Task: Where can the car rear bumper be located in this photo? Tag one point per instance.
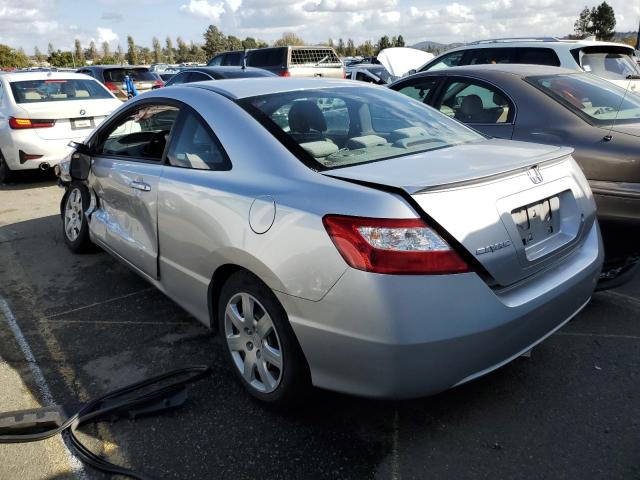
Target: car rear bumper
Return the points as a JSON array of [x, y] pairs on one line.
[[408, 336], [52, 151]]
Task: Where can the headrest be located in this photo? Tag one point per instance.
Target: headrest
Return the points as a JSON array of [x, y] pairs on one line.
[[365, 141], [471, 104], [305, 116]]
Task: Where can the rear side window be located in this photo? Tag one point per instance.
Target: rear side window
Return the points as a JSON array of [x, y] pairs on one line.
[[139, 74], [198, 77], [538, 56], [216, 61], [196, 147], [232, 59], [267, 57], [483, 56], [37, 91], [315, 57]]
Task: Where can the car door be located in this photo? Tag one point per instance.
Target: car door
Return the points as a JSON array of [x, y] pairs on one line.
[[478, 104], [195, 211], [127, 166]]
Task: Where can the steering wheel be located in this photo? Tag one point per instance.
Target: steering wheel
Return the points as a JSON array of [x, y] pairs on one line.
[[156, 144], [603, 110]]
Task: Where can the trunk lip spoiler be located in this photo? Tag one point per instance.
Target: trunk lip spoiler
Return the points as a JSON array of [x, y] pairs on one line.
[[565, 155]]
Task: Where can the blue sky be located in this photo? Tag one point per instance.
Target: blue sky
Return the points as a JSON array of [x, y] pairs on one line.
[[27, 23]]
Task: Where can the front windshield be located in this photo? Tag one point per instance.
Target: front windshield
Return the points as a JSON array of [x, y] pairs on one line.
[[614, 66], [590, 96], [344, 126]]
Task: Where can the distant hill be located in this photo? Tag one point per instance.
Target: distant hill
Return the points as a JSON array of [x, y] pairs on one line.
[[431, 46]]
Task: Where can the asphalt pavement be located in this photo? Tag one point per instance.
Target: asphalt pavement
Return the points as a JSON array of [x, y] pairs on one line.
[[570, 411]]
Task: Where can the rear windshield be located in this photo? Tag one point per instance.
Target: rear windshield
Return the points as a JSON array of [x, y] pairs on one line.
[[609, 62], [136, 74], [267, 57], [314, 57], [343, 126], [35, 91], [591, 96]]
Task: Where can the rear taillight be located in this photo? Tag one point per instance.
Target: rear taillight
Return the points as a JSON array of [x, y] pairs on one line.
[[284, 73], [21, 123], [158, 84], [111, 86], [392, 246]]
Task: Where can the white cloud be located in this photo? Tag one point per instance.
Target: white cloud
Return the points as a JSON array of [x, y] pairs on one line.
[[349, 5], [106, 35], [203, 8]]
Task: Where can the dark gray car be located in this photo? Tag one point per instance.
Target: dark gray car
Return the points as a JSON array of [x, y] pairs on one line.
[[202, 74], [560, 107]]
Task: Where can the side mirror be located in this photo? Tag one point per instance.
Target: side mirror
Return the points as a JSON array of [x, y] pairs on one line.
[[412, 71], [80, 163]]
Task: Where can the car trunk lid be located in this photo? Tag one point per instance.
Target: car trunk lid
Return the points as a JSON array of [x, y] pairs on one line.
[[73, 119], [515, 208]]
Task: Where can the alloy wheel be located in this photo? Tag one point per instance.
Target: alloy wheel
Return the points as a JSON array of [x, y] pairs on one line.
[[73, 215], [253, 341]]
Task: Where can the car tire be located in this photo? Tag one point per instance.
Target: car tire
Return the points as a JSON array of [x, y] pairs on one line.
[[6, 175], [255, 349], [75, 228]]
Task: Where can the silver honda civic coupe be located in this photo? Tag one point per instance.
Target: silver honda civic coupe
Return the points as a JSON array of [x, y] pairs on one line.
[[338, 234]]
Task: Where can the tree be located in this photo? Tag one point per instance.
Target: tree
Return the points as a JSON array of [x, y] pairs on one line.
[[169, 54], [383, 43], [249, 42], [78, 54], [132, 51], [400, 41], [214, 41], [62, 59], [603, 22], [340, 47], [157, 50], [196, 53], [330, 43], [106, 51], [120, 55], [12, 58], [366, 49], [288, 38], [582, 24], [92, 52], [50, 49], [350, 51], [234, 43], [182, 54], [38, 54], [145, 55]]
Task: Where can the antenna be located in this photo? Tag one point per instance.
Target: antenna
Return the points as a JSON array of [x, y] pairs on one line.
[[608, 137]]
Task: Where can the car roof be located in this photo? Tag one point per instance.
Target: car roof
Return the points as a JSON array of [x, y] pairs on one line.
[[522, 70], [110, 67], [223, 69], [250, 87], [541, 43], [17, 76]]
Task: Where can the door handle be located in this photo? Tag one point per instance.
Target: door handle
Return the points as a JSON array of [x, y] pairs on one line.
[[138, 185]]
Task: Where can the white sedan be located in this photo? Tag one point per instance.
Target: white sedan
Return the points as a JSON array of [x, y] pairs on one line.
[[40, 112]]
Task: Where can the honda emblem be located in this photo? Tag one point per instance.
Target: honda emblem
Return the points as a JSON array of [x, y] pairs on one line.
[[82, 112], [535, 175]]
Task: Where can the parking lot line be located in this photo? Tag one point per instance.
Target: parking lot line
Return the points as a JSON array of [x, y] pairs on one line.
[[45, 393], [97, 304], [621, 296], [601, 335]]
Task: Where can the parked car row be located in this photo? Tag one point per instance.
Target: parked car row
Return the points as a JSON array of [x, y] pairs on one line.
[[448, 220]]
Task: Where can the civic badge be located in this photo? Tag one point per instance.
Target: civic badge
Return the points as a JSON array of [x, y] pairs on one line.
[[83, 111], [534, 174]]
